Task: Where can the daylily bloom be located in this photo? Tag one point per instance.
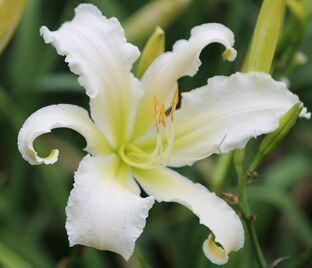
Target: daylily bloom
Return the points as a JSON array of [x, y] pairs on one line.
[[136, 130]]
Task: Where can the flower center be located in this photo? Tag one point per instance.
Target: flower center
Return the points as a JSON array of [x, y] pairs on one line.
[[134, 156]]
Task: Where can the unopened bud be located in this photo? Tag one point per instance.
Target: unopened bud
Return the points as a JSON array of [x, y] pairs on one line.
[[265, 37], [251, 181], [253, 217], [153, 48], [273, 139], [252, 174], [231, 198]]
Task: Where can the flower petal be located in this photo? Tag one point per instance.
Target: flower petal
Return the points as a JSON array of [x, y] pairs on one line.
[[104, 209], [59, 116], [161, 77], [97, 51], [167, 185], [226, 113]]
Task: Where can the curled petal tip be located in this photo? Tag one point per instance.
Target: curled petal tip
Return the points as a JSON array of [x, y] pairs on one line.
[[57, 116], [50, 159], [229, 54], [213, 252]]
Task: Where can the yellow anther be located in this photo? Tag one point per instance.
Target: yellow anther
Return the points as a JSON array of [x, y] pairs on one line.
[[174, 103], [162, 115], [156, 105], [159, 114]]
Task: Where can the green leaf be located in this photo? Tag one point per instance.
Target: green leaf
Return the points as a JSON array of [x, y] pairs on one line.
[[54, 185], [21, 244], [9, 109], [281, 201], [288, 171], [111, 8], [297, 9], [11, 259], [153, 48], [303, 260], [26, 54], [307, 6], [59, 82], [155, 13], [294, 33]]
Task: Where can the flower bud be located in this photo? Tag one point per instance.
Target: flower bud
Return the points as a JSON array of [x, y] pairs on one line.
[[153, 48]]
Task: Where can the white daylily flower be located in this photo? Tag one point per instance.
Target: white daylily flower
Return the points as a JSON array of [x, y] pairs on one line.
[[130, 138]]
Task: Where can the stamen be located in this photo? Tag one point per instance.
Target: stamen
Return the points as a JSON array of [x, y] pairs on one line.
[[170, 139], [174, 103], [165, 135], [156, 105], [162, 115], [159, 114], [156, 113]]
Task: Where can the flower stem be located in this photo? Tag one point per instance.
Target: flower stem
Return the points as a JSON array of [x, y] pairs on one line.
[[220, 171], [239, 157], [255, 242], [259, 58]]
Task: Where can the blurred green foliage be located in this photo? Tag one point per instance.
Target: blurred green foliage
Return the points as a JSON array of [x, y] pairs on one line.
[[32, 199]]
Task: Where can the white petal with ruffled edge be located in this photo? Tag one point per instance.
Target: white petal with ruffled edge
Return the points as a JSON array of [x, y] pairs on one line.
[[161, 76], [226, 113], [59, 116], [96, 49], [169, 186], [103, 210]]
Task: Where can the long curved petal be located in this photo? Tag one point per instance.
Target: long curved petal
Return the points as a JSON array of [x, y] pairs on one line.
[[96, 49], [59, 116], [169, 186], [161, 77], [104, 209], [226, 113]]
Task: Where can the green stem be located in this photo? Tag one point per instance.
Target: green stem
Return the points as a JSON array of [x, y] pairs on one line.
[[259, 58], [239, 156], [254, 164], [220, 171], [255, 242]]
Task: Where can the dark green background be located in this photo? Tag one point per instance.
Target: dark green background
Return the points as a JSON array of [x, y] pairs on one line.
[[33, 198]]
